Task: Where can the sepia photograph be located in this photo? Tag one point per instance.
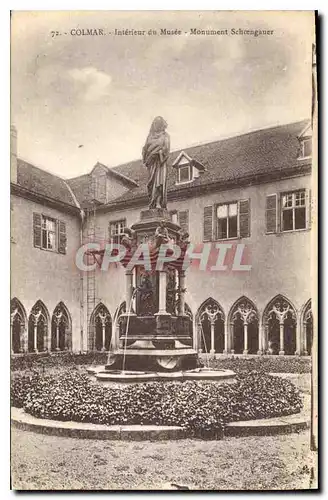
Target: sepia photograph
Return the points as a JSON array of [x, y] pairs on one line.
[[163, 247]]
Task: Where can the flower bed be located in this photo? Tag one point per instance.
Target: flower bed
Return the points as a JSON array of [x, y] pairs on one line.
[[266, 364], [30, 361], [200, 407]]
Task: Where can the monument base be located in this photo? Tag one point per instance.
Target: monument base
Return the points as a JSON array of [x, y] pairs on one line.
[[159, 356]]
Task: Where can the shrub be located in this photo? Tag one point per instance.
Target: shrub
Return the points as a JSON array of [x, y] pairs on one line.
[[20, 387], [31, 361], [199, 406], [266, 364]]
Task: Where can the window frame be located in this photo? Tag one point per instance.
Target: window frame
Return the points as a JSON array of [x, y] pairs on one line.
[[235, 202], [190, 169], [55, 232], [116, 235], [303, 141], [293, 208]]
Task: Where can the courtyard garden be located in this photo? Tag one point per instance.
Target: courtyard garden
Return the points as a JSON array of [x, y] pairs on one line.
[[57, 387]]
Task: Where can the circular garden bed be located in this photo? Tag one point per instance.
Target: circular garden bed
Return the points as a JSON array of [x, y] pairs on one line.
[[203, 408]]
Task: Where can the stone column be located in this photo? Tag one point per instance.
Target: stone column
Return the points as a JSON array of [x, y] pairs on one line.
[[299, 349], [24, 339], [58, 317], [226, 339], [57, 337], [103, 328], [200, 336], [182, 285], [261, 341], [305, 351], [162, 293], [245, 338], [194, 334], [129, 290], [281, 332], [35, 337], [212, 350], [232, 335], [47, 336]]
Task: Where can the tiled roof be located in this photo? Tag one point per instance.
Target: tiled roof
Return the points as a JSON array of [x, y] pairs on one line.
[[246, 156], [254, 154], [43, 183]]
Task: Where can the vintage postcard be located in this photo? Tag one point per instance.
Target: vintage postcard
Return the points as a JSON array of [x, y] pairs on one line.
[[163, 308]]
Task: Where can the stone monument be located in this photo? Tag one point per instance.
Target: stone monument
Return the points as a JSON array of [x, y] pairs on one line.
[[155, 333]]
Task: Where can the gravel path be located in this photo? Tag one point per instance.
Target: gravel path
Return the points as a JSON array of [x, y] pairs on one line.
[[268, 462]]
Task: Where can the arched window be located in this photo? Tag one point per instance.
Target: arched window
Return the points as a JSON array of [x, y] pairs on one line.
[[38, 328], [307, 328], [100, 329], [210, 325], [279, 321], [61, 330], [244, 327], [18, 326]]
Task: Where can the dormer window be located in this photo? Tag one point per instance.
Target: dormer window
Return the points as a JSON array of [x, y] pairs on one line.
[[305, 140], [184, 173], [306, 148], [187, 168]]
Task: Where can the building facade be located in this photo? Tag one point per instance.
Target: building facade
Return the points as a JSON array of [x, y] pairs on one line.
[[250, 193]]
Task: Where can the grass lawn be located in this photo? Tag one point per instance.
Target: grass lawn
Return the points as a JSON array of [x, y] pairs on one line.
[[266, 462]]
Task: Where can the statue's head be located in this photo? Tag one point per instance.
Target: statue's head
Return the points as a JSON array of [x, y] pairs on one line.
[[162, 223], [158, 125]]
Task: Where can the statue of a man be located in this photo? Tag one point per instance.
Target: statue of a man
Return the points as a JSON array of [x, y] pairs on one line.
[[154, 156]]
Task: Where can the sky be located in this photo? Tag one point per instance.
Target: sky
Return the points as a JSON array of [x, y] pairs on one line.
[[76, 100]]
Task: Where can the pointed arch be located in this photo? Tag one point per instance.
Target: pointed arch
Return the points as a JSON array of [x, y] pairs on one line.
[[279, 321], [61, 328], [210, 303], [210, 319], [100, 329], [307, 328], [243, 322], [281, 301], [18, 325], [38, 328]]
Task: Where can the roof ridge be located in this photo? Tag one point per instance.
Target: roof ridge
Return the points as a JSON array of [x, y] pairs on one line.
[[244, 134], [221, 139]]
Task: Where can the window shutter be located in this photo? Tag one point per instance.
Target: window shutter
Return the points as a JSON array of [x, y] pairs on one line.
[[62, 237], [308, 205], [208, 224], [37, 230], [183, 220], [271, 214], [244, 218]]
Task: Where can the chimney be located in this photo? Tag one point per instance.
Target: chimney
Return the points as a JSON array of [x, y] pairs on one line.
[[13, 154]]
